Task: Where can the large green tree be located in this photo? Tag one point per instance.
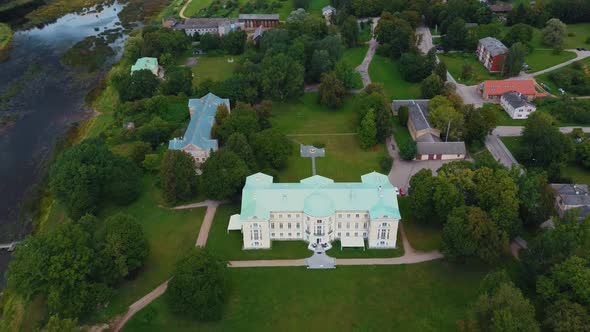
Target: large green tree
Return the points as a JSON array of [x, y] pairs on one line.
[[554, 33], [238, 143], [178, 79], [514, 60], [542, 143], [567, 280], [395, 36], [350, 31], [199, 286], [566, 316], [331, 91], [271, 148], [178, 176], [456, 35], [282, 77], [421, 201], [368, 130], [224, 174], [447, 117], [89, 174], [431, 86], [138, 85]]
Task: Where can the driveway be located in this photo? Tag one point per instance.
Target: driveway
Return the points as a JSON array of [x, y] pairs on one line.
[[500, 152], [512, 131], [426, 43], [363, 68]]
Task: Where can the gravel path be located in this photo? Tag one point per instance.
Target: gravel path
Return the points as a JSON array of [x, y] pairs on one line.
[[140, 304], [363, 68]]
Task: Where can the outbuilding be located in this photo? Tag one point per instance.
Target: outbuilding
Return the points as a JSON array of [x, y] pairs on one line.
[[440, 150]]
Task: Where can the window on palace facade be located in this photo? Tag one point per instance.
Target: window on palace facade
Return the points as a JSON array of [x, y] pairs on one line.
[[339, 234], [364, 234], [364, 225], [382, 234], [356, 234], [297, 215], [280, 226], [273, 234], [280, 216], [298, 225], [356, 225], [348, 215], [255, 234], [289, 234], [339, 225], [307, 218], [289, 225], [347, 234], [319, 221], [298, 234], [384, 224], [357, 215], [339, 215], [366, 215], [272, 225], [281, 235], [382, 243]]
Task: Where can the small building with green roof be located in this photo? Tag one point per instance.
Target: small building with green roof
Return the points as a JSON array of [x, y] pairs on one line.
[[318, 210], [150, 64]]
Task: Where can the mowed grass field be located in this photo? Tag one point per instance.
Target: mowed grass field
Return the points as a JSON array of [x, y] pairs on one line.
[[307, 122], [192, 10], [543, 59], [386, 71], [170, 233], [455, 63], [545, 78], [214, 68], [424, 297], [422, 237]]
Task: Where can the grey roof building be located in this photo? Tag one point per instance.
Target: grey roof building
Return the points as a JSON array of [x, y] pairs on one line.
[[571, 196], [493, 46], [515, 99], [443, 148], [418, 124], [270, 17]]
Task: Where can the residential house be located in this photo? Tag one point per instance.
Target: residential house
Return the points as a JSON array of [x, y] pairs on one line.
[[492, 90], [501, 8], [571, 196], [516, 105], [214, 25], [428, 142], [197, 139], [253, 21], [318, 210], [492, 53], [150, 64]]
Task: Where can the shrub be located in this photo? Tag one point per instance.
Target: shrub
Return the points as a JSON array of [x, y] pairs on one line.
[[407, 150], [386, 163]]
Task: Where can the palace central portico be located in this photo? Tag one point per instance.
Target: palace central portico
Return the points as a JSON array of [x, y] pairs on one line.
[[318, 210]]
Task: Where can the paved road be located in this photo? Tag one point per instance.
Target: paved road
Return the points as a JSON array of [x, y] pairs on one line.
[[363, 68], [426, 43], [579, 56], [140, 304], [503, 131], [499, 151], [206, 225]]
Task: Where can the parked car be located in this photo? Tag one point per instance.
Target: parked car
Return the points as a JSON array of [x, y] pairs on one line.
[[581, 49], [402, 192], [562, 91]]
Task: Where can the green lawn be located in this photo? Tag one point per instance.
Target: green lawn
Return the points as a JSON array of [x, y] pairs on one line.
[[430, 296], [455, 63], [400, 134], [306, 122], [502, 118], [214, 68], [543, 59], [580, 32], [195, 6], [386, 71], [512, 144], [544, 78], [169, 232], [315, 6], [421, 237], [354, 57]]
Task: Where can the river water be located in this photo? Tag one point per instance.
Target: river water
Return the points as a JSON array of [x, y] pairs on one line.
[[50, 98]]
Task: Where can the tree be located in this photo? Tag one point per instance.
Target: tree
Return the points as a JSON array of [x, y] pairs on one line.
[[224, 174], [141, 84], [123, 247], [282, 77], [568, 280], [238, 144], [395, 36], [514, 60], [431, 86], [152, 162], [415, 67], [331, 91], [542, 143], [272, 148], [368, 130], [456, 35], [297, 15], [137, 152], [421, 201], [345, 74], [566, 316], [88, 174], [320, 63], [58, 265], [350, 31], [583, 153], [518, 33], [178, 176], [446, 117], [505, 309], [55, 324], [478, 123], [446, 196], [234, 42], [467, 71], [407, 150], [373, 98], [536, 197], [199, 287], [221, 113], [243, 119], [402, 115], [469, 233], [554, 33], [178, 79]]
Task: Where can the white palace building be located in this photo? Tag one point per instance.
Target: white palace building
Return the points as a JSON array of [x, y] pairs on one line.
[[318, 210]]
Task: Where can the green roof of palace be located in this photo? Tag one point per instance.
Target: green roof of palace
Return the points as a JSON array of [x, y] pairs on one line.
[[145, 63], [319, 196]]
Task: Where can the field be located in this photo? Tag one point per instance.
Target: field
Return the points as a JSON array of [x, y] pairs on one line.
[[455, 63], [306, 122], [543, 59], [430, 296], [544, 78], [169, 232], [581, 32], [421, 237], [386, 71], [195, 6], [214, 68]]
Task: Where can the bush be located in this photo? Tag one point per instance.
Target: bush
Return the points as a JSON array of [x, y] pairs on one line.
[[402, 115], [408, 150], [386, 163]]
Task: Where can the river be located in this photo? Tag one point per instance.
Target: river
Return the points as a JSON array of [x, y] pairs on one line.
[[50, 98]]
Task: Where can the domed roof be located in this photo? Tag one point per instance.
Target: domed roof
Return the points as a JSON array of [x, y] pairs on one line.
[[318, 205]]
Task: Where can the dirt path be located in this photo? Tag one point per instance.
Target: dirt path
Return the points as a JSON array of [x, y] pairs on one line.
[[181, 13], [206, 225], [363, 68], [140, 304]]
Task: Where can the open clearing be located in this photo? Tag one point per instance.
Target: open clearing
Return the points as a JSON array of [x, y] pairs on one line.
[[213, 68], [386, 71]]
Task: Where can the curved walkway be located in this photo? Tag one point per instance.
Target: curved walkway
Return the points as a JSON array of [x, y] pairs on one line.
[[138, 305], [363, 68], [579, 56], [207, 221], [181, 13]]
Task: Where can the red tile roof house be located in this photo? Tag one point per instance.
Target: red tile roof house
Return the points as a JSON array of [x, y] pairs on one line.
[[492, 90], [492, 53]]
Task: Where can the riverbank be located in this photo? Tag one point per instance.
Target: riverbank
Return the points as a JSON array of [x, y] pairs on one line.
[[6, 35]]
